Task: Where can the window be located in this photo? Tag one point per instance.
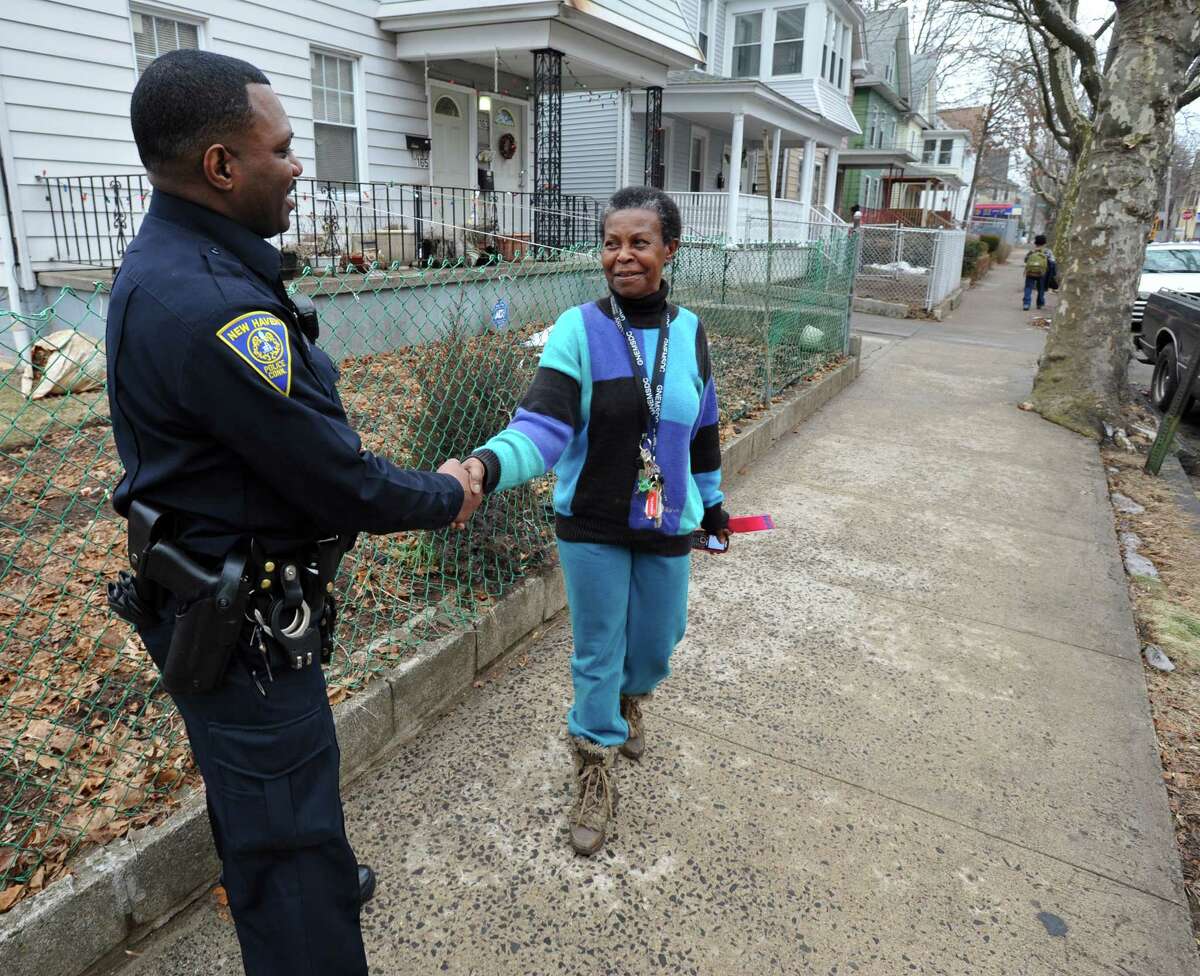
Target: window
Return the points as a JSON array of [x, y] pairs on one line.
[[333, 117], [788, 57], [503, 117], [833, 60], [945, 152], [747, 45], [696, 166], [890, 67], [930, 151], [844, 56], [448, 107], [154, 35], [705, 17]]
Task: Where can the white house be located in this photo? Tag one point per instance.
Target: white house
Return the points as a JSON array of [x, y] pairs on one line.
[[387, 98], [776, 73]]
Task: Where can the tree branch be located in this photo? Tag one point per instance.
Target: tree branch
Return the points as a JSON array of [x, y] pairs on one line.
[[1066, 104], [1066, 31], [1105, 26], [1048, 113], [1191, 89]]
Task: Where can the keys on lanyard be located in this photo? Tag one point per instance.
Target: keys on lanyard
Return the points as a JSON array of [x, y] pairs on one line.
[[650, 477], [650, 483]]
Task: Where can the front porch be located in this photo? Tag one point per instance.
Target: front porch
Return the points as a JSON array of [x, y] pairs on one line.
[[495, 79], [784, 153]]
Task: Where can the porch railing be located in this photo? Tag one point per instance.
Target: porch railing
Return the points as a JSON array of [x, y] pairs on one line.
[[909, 217], [339, 224], [706, 217]]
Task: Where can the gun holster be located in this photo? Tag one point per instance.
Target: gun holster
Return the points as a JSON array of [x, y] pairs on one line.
[[209, 606]]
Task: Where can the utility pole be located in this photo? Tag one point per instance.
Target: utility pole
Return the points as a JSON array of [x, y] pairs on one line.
[[1168, 224]]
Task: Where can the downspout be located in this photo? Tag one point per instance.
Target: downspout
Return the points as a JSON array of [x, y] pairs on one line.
[[10, 257]]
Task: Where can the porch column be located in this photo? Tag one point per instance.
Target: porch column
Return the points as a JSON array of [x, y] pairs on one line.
[[773, 182], [655, 171], [547, 147], [807, 171], [831, 165], [735, 179]]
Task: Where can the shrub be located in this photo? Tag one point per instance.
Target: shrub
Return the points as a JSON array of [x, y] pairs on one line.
[[973, 250], [991, 240], [1003, 251]]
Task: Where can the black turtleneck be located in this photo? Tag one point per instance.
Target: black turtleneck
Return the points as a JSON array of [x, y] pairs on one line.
[[646, 312]]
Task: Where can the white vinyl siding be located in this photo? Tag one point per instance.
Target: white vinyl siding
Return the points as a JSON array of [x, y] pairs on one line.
[[69, 67], [590, 140]]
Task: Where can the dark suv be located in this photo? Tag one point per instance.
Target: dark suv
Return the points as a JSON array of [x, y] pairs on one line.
[[1170, 337]]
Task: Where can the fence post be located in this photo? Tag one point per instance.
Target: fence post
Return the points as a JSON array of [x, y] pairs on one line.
[[931, 285], [853, 260]]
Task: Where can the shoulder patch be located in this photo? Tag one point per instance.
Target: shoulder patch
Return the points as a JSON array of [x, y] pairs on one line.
[[261, 339]]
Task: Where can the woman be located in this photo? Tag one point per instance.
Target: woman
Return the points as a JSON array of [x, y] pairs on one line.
[[624, 409]]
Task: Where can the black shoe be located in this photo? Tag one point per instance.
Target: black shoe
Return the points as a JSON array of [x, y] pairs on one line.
[[366, 884]]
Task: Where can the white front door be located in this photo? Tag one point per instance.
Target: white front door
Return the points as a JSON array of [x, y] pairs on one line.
[[508, 133], [451, 163]]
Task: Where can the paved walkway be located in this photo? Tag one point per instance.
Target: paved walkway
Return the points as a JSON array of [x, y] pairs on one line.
[[908, 730]]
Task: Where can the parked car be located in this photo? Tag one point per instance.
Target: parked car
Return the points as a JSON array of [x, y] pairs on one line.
[[1171, 329], [1174, 266]]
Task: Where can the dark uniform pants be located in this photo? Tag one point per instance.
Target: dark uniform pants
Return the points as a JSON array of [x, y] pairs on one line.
[[270, 766]]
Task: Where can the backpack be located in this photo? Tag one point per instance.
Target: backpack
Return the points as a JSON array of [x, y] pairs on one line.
[[1036, 264]]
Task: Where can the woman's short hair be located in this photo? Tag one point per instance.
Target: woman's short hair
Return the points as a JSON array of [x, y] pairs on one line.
[[647, 198]]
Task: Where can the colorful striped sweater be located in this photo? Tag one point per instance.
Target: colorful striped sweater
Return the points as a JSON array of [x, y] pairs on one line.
[[583, 418]]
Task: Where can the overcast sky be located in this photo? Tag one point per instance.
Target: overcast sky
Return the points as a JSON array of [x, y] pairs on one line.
[[1092, 13]]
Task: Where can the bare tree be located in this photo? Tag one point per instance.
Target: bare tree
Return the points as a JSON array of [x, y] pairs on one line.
[[1113, 113]]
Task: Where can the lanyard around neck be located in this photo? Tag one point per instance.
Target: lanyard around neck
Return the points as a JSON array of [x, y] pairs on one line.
[[652, 386]]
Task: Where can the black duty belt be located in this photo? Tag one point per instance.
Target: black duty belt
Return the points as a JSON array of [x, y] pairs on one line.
[[282, 601]]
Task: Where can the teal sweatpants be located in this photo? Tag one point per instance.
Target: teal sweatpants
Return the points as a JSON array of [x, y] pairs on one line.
[[628, 611]]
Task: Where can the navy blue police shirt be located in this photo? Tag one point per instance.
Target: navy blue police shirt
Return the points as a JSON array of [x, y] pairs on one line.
[[225, 413]]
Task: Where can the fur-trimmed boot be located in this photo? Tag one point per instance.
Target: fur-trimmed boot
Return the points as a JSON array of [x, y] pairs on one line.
[[631, 711], [596, 800]]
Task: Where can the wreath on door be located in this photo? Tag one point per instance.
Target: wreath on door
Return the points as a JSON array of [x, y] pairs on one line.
[[508, 145]]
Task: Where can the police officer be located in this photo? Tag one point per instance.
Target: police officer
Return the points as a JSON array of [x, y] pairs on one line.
[[244, 484]]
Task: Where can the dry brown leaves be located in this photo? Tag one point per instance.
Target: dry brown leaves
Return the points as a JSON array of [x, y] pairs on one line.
[[1168, 614]]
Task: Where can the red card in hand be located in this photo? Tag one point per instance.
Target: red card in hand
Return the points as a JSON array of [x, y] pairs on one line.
[[751, 523]]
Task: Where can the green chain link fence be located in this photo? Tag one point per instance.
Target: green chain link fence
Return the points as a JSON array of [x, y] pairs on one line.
[[432, 362]]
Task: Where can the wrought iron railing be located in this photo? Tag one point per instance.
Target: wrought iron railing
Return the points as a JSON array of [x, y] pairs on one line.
[[340, 224]]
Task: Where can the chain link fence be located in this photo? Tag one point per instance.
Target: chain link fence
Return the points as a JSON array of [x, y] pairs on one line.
[[432, 363], [909, 265]]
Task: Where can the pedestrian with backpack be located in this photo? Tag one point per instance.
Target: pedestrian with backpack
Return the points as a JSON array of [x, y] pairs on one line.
[[1037, 266]]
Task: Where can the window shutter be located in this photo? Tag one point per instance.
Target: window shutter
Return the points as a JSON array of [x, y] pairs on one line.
[[336, 155]]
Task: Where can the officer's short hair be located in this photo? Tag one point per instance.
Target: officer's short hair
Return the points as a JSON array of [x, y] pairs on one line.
[[647, 198], [187, 100]]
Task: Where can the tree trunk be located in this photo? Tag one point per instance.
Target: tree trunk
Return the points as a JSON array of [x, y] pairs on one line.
[[1082, 372], [1061, 241]]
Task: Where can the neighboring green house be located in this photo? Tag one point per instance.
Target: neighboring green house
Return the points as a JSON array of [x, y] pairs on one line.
[[882, 80]]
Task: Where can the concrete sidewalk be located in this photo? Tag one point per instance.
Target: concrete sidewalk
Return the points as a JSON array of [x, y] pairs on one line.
[[907, 732]]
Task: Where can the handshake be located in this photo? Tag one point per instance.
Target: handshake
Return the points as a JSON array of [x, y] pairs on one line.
[[471, 474]]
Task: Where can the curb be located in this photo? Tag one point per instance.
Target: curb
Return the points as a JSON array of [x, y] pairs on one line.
[[877, 306], [1172, 471], [947, 305], [121, 893]]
